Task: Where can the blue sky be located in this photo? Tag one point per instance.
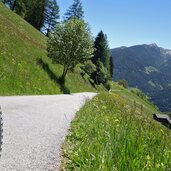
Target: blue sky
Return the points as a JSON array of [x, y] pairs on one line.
[[128, 22]]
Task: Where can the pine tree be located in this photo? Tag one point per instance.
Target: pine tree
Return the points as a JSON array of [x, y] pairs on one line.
[[8, 3], [21, 8], [3, 1], [35, 13], [39, 13], [75, 10], [102, 51], [51, 16], [14, 5], [111, 67]]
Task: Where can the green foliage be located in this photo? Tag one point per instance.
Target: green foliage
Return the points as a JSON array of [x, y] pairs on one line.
[[51, 16], [108, 85], [9, 3], [70, 43], [20, 72], [150, 69], [42, 14], [101, 74], [139, 93], [123, 83], [35, 12], [119, 136], [102, 51], [111, 67], [101, 59], [75, 11], [89, 68]]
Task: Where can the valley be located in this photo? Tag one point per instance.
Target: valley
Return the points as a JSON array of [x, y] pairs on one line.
[[147, 67]]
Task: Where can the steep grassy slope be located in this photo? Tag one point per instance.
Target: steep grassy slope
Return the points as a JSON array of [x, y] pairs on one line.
[[24, 67], [116, 132]]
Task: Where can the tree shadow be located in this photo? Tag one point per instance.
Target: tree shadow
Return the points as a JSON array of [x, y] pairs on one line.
[[89, 80], [53, 76]]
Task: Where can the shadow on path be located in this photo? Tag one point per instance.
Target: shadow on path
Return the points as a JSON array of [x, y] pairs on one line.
[[53, 76]]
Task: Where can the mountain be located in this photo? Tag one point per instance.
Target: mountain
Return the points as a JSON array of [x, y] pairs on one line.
[[24, 66], [147, 67]]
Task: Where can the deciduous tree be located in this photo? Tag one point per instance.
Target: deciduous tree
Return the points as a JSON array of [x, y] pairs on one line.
[[70, 43]]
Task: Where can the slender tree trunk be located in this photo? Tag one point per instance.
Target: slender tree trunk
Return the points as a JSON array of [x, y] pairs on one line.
[[14, 5], [65, 70], [4, 1]]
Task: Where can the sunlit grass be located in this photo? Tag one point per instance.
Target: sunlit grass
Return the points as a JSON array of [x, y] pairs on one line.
[[109, 133], [21, 46]]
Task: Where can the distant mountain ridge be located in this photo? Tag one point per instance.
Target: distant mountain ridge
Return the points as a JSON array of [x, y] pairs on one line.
[[147, 67]]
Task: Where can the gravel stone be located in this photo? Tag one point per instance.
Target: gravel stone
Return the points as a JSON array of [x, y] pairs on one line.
[[34, 129]]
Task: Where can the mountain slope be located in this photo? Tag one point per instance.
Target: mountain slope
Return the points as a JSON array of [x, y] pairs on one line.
[[146, 67], [24, 66]]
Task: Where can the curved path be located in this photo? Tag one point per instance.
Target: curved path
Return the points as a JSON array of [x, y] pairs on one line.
[[34, 128]]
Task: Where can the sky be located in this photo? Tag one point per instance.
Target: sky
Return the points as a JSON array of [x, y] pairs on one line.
[[128, 22]]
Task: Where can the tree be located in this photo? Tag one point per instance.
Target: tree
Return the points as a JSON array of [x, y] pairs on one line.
[[101, 74], [35, 12], [51, 16], [111, 67], [3, 1], [21, 8], [8, 3], [14, 5], [75, 10], [39, 13], [88, 68], [69, 44], [123, 83], [102, 51]]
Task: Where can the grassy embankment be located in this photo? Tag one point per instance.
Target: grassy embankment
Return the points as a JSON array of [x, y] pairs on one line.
[[24, 66], [116, 132]]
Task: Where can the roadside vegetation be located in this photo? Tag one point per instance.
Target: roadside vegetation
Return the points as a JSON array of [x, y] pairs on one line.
[[113, 132], [24, 66]]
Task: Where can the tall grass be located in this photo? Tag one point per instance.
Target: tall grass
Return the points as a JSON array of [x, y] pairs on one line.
[[111, 134]]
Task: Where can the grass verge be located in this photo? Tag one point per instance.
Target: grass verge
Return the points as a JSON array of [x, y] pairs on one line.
[[112, 133]]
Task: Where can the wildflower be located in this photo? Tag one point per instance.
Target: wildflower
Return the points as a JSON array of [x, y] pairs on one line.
[[162, 131], [148, 157], [104, 107], [116, 120], [157, 165]]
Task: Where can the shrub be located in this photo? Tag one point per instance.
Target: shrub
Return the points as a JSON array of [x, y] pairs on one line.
[[89, 67], [123, 83], [108, 85]]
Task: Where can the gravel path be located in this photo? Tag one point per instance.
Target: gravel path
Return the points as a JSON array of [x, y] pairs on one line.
[[34, 128]]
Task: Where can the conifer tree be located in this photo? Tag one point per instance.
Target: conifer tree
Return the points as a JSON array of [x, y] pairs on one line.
[[8, 3], [39, 13], [102, 51], [75, 10], [3, 1], [35, 14], [51, 16], [14, 5], [111, 67]]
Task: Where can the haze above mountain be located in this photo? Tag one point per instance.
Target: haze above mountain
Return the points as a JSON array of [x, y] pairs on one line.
[[147, 67]]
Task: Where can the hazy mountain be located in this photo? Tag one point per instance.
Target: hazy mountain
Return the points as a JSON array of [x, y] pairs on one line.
[[147, 67]]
